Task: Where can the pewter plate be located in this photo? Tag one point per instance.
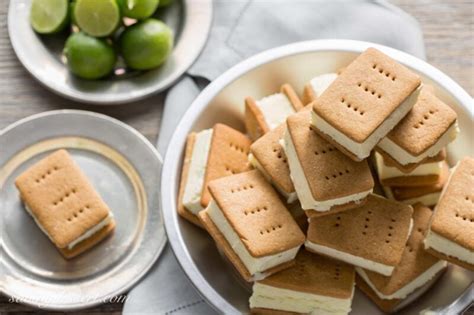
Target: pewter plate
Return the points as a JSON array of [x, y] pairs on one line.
[[42, 56], [263, 74], [123, 167]]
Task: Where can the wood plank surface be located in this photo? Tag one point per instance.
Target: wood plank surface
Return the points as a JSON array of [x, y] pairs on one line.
[[448, 28]]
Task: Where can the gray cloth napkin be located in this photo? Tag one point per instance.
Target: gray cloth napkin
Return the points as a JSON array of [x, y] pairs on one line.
[[242, 28]]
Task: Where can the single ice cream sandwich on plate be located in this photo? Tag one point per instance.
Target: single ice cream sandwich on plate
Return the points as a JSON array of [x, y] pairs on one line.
[[427, 195], [364, 103], [422, 133], [267, 155], [251, 225], [314, 285], [271, 111], [317, 86], [372, 236], [416, 271], [426, 173], [325, 179], [210, 154], [451, 233], [64, 205]]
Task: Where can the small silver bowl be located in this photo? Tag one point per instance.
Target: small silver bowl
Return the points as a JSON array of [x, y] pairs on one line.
[[223, 101]]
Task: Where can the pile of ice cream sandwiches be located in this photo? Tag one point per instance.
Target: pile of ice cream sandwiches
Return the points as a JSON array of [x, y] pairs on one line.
[[291, 204]]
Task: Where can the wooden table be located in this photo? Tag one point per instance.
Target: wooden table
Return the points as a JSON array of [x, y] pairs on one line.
[[448, 28]]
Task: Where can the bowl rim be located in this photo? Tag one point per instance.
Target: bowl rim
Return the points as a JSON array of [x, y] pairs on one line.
[[173, 157]]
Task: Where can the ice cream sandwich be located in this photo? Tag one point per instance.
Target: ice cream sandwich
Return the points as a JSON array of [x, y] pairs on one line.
[[64, 204], [428, 195], [423, 175], [451, 233], [267, 155], [271, 111], [389, 161], [416, 269], [315, 285], [325, 179], [251, 224], [364, 103], [317, 86], [423, 132], [372, 236], [210, 154]]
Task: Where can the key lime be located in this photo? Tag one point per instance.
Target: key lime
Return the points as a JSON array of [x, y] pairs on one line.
[[89, 57], [49, 16], [97, 18], [146, 45], [165, 3], [138, 9]]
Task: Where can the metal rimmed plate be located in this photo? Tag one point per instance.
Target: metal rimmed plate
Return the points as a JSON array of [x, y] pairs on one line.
[[123, 167], [41, 55]]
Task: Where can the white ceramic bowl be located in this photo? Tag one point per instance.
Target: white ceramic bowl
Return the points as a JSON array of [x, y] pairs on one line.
[[222, 101]]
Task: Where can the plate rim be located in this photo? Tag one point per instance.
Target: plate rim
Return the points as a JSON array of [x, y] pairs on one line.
[[172, 157], [158, 250], [195, 12]]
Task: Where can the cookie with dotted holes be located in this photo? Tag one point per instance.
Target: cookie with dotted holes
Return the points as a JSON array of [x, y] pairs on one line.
[[269, 157], [315, 274], [256, 213], [63, 202], [376, 232], [453, 217], [255, 119], [364, 96], [415, 262], [330, 174], [227, 155], [428, 120]]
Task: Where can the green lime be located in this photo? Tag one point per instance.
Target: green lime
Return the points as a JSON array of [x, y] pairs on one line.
[[146, 45], [49, 16], [165, 3], [97, 18], [138, 9], [89, 57]]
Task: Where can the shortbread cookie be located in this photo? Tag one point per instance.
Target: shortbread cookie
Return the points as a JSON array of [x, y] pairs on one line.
[[423, 132], [372, 236], [267, 155], [416, 268], [259, 234], [365, 102], [317, 86], [271, 111], [210, 154], [389, 161], [427, 195], [64, 204], [425, 174], [324, 178], [451, 233], [315, 285]]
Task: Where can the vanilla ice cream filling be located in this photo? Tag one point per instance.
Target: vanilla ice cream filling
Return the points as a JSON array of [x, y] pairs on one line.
[[410, 287], [320, 83], [88, 234], [269, 297], [197, 171], [362, 150], [254, 265], [430, 199], [448, 247], [275, 109], [290, 196], [308, 202], [424, 169], [404, 157], [383, 269]]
